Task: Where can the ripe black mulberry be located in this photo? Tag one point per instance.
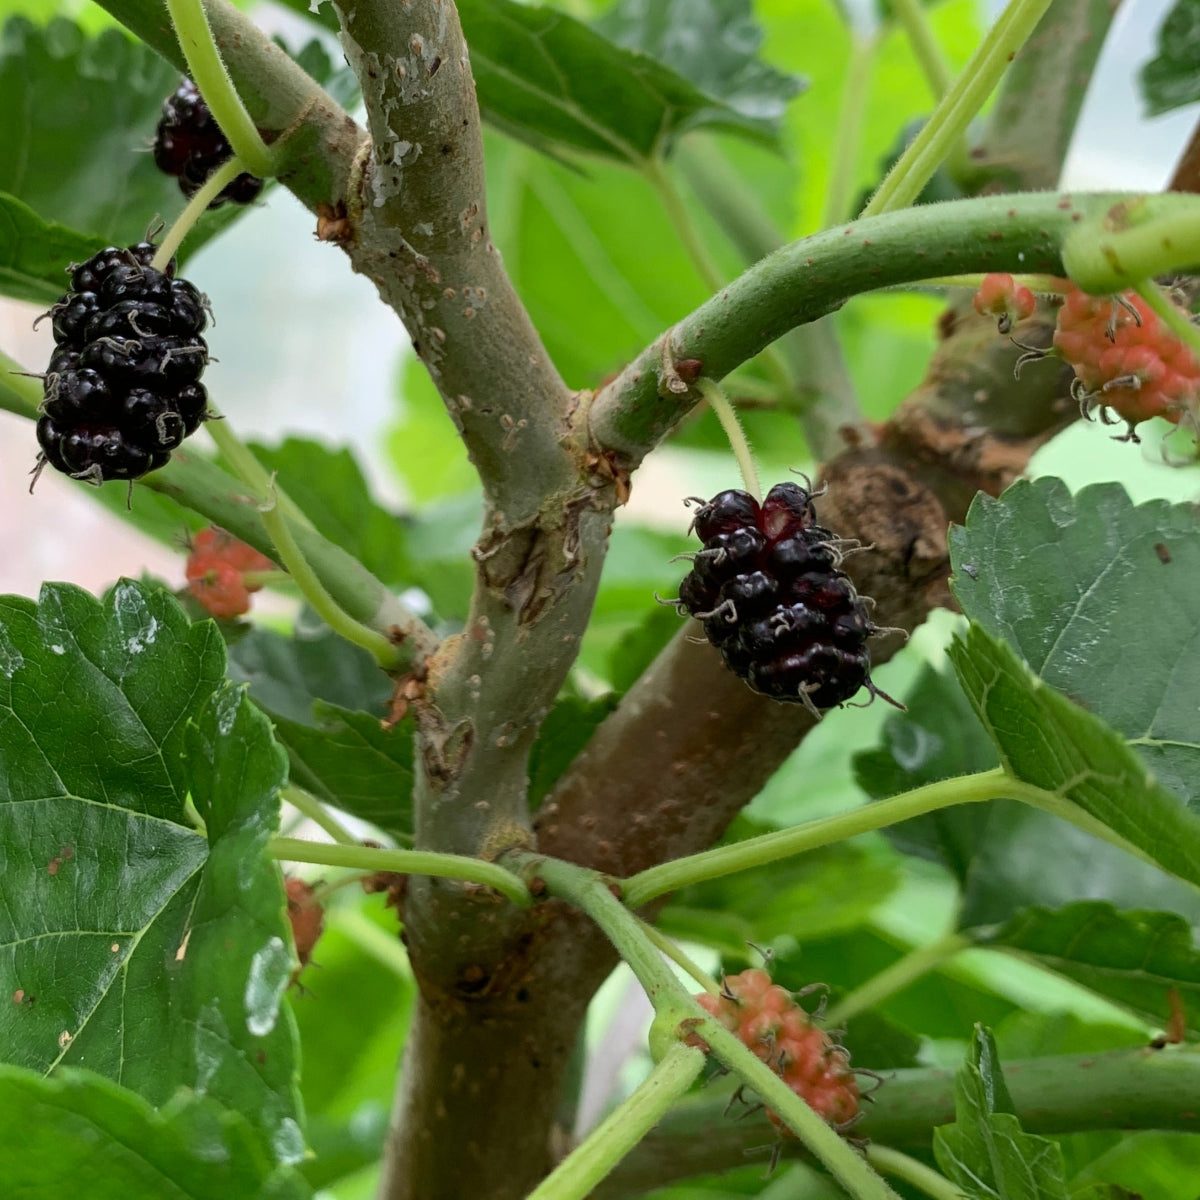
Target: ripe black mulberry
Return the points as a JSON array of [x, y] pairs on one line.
[[769, 589], [122, 389], [189, 144]]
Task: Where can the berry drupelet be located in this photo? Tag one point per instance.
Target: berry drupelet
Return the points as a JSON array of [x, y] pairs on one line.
[[190, 145], [768, 587], [122, 389]]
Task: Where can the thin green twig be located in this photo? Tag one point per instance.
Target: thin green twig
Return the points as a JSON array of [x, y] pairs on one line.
[[672, 950], [20, 392], [210, 76], [1172, 316], [315, 811], [197, 206], [912, 1171], [590, 1161], [958, 108], [719, 403], [847, 138], [404, 862]]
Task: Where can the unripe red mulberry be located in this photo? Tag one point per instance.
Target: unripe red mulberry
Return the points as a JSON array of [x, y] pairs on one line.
[[767, 1019]]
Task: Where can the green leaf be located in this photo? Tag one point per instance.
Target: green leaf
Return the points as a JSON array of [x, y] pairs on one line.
[[34, 253], [714, 44], [549, 80], [1084, 586], [133, 947], [986, 1152], [1006, 856], [287, 674], [1172, 78], [1152, 1163], [564, 733], [815, 895], [75, 175], [329, 487], [78, 1126], [1133, 958], [1047, 741], [353, 763]]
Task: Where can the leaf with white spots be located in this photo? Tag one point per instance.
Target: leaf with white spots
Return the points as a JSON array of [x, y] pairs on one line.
[[130, 943]]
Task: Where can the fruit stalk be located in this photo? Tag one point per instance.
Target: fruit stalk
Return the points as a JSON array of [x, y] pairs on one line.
[[958, 108], [207, 69], [194, 210], [404, 862], [576, 1176]]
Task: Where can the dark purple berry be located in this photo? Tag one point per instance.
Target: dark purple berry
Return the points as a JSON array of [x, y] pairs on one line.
[[774, 601], [189, 145], [724, 513], [122, 388]]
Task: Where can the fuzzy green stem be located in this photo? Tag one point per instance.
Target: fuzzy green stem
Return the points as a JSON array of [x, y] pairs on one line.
[[209, 74], [838, 1157], [1137, 237], [197, 206], [314, 810], [847, 140], [248, 469], [590, 891], [897, 977], [758, 851], [671, 949], [404, 862], [20, 393], [385, 651], [719, 403], [590, 1161], [265, 578], [958, 108], [1174, 319], [891, 1162]]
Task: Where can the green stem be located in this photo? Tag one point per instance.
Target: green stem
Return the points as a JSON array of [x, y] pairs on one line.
[[209, 74], [758, 851], [197, 206], [590, 1161], [719, 403], [671, 949], [1174, 319], [265, 578], [913, 1171], [897, 977], [958, 108], [20, 393], [404, 862], [847, 140], [838, 1157], [249, 470], [1136, 238], [590, 891], [314, 810], [386, 652]]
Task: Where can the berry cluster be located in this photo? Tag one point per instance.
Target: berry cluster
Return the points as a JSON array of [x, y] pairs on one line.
[[1000, 297], [1126, 359], [122, 389], [216, 572], [768, 1021], [768, 588], [190, 145]]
